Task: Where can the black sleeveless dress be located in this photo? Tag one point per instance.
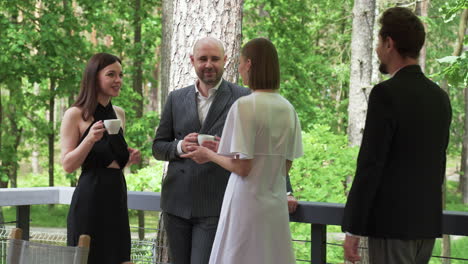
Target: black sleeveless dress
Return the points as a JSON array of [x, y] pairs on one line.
[[99, 204]]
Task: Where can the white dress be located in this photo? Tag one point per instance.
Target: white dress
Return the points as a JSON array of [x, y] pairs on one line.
[[254, 223]]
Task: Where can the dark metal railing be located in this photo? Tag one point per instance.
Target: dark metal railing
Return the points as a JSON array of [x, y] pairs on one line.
[[318, 215]]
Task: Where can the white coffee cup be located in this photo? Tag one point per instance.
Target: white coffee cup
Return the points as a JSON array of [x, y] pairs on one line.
[[112, 126], [203, 137]]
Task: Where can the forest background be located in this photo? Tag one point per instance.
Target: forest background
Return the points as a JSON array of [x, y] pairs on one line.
[[44, 46]]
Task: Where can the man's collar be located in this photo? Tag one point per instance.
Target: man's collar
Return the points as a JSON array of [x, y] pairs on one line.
[[211, 90], [409, 68]]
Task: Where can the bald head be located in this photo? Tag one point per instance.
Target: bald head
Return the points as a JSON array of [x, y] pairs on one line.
[[208, 41]]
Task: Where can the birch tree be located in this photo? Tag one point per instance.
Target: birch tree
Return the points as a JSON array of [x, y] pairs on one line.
[[360, 78], [422, 8], [361, 68], [458, 49]]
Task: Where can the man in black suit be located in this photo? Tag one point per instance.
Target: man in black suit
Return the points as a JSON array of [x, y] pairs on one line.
[[192, 194], [396, 196]]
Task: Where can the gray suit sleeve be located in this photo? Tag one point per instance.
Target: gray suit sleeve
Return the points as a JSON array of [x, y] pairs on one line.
[[164, 143]]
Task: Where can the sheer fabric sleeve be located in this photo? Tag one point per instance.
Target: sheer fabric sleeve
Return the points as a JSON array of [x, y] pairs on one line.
[[239, 131], [295, 146]]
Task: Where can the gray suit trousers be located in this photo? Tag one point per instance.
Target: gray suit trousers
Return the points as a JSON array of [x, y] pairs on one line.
[[190, 240], [395, 251]]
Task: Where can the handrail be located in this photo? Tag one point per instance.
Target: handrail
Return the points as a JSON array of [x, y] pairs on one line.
[[454, 222], [318, 214]]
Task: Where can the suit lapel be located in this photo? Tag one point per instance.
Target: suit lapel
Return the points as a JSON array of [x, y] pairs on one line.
[[191, 109], [223, 96]]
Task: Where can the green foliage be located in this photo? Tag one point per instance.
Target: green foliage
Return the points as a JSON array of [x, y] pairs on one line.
[[147, 179], [47, 44], [459, 248], [42, 180], [313, 51], [455, 72], [450, 9], [453, 198], [41, 215], [443, 68], [321, 174]]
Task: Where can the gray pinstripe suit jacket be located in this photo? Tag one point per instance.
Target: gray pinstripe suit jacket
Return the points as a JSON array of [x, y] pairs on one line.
[[190, 189]]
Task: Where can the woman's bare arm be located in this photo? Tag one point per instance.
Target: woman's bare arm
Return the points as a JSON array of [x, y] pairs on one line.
[[72, 153]]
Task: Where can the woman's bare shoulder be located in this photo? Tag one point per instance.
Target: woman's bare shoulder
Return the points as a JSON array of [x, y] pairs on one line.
[[118, 109], [73, 112]]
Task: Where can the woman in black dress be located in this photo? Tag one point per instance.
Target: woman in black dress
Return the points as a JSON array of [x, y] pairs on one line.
[[99, 203]]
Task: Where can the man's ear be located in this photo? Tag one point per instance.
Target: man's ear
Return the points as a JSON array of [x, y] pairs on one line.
[[192, 60], [389, 43]]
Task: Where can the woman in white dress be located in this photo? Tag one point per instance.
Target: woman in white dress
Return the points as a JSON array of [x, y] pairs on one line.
[[261, 137]]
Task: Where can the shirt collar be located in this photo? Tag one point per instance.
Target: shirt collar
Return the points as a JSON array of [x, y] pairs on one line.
[[210, 91]]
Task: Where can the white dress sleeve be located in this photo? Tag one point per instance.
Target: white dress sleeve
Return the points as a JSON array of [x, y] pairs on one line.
[[295, 146], [238, 136]]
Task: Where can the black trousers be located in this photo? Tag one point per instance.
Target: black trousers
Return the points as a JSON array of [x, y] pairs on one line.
[[395, 251], [190, 240]]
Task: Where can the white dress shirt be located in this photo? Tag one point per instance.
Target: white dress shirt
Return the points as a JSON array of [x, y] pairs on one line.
[[203, 106]]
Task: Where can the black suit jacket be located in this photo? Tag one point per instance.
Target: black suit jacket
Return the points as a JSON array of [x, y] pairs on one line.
[[190, 189], [397, 188]]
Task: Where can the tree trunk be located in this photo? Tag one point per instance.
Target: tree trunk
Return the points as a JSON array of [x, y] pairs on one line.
[[1, 128], [2, 219], [11, 159], [162, 244], [167, 10], [422, 8], [138, 78], [138, 88], [183, 23], [360, 78], [51, 136], [464, 162], [376, 77], [153, 93], [12, 164], [445, 245], [463, 183], [361, 68], [446, 249], [3, 182]]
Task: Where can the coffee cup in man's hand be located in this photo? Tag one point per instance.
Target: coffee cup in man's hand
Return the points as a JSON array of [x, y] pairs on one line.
[[112, 126], [203, 137]]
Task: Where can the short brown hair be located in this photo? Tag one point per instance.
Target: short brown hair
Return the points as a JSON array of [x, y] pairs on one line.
[[405, 29], [264, 70], [87, 98]]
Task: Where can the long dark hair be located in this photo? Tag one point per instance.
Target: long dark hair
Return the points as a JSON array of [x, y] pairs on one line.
[[87, 99], [264, 70]]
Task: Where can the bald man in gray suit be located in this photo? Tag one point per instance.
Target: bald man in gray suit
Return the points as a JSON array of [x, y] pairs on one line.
[[192, 194]]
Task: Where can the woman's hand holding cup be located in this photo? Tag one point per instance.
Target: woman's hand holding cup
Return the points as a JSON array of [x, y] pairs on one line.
[[96, 132], [212, 144]]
